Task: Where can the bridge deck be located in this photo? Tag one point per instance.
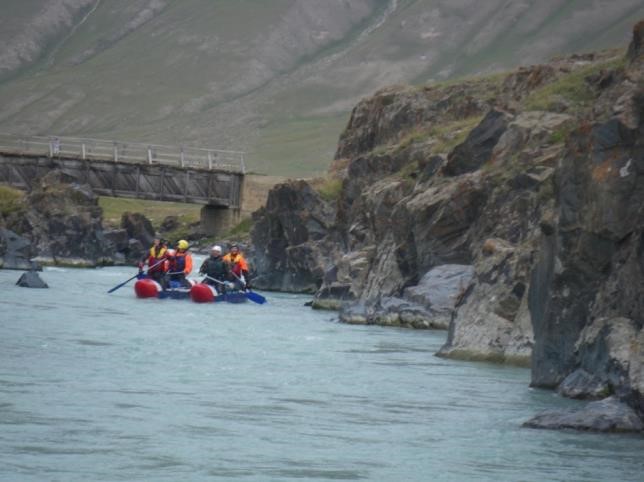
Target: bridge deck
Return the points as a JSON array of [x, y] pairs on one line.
[[130, 179]]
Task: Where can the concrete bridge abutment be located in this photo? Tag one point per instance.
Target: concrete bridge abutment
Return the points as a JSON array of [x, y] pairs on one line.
[[216, 220]]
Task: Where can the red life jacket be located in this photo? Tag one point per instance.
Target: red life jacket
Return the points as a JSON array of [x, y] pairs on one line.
[[155, 256]]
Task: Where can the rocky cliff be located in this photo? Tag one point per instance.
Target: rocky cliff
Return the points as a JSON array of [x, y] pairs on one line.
[[530, 182], [60, 223]]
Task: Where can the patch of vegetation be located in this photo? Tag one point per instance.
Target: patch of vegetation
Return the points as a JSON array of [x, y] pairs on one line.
[[560, 135], [414, 136], [452, 134], [572, 88], [409, 171], [155, 211], [329, 188], [241, 230], [10, 201]]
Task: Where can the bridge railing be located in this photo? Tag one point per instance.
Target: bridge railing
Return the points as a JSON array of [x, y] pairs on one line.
[[98, 149]]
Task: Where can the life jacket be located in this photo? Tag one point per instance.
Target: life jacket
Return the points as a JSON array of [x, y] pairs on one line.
[[154, 258], [182, 262], [237, 263]]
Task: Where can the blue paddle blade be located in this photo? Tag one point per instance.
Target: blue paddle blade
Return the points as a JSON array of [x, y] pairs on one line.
[[255, 297]]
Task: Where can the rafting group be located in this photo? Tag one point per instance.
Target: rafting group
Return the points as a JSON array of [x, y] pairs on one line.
[[224, 277]]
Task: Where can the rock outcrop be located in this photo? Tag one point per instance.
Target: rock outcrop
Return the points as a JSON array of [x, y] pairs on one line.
[[30, 279], [534, 180], [16, 252], [608, 415], [60, 223], [286, 236]]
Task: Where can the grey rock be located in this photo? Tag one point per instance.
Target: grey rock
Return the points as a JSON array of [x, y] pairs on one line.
[[355, 314], [581, 384], [477, 149], [16, 251], [138, 227], [289, 253], [608, 415], [30, 279], [439, 289]]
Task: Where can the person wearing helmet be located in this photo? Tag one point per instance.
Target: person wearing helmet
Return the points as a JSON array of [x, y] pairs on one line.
[[215, 269], [238, 266], [181, 264]]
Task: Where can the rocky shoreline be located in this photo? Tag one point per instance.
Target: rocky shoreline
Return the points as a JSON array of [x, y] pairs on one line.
[[532, 181]]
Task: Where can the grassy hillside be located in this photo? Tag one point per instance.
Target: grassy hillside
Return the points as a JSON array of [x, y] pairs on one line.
[[277, 79]]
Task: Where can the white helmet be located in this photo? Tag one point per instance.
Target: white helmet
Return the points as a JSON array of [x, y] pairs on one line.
[[216, 247]]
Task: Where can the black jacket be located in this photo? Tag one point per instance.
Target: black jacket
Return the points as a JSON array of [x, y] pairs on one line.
[[215, 267]]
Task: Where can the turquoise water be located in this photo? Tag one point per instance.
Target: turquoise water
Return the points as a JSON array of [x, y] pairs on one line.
[[98, 387]]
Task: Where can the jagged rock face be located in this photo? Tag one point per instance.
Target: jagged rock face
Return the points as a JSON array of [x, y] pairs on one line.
[[139, 233], [477, 148], [385, 117], [586, 291], [286, 255], [595, 256], [64, 222]]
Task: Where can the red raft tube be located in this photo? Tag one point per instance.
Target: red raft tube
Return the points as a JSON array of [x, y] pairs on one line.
[[147, 288], [203, 293]]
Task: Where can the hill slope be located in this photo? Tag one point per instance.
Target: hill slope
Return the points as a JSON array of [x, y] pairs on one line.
[[275, 78]]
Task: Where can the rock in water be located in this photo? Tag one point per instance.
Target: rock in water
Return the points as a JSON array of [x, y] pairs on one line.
[[608, 415], [30, 279]]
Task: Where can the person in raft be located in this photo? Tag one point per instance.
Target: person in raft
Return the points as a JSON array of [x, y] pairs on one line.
[[156, 259], [180, 265], [216, 270], [238, 267]]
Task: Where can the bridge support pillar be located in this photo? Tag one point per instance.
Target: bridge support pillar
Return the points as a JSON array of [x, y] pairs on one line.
[[215, 220]]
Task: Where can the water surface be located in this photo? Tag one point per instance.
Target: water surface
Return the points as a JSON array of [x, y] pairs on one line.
[[98, 387]]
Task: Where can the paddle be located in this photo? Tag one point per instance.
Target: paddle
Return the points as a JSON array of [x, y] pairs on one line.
[[135, 276], [251, 295], [254, 297]]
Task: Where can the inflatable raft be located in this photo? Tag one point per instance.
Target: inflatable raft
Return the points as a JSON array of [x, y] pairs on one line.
[[198, 292]]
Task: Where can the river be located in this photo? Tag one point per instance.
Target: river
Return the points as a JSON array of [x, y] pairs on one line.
[[105, 387]]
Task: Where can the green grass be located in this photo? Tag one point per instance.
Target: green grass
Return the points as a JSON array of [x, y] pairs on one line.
[[572, 88], [241, 230], [451, 134], [10, 201], [155, 211], [297, 147], [330, 188]]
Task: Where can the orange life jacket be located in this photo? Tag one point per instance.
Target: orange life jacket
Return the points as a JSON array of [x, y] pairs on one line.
[[237, 263]]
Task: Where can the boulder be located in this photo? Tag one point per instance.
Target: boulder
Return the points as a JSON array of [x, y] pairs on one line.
[[608, 415], [581, 384], [355, 314], [491, 320], [169, 223], [439, 290], [15, 251], [30, 279], [138, 227]]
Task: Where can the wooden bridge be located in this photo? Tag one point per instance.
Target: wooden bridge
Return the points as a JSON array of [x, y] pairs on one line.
[[211, 177]]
